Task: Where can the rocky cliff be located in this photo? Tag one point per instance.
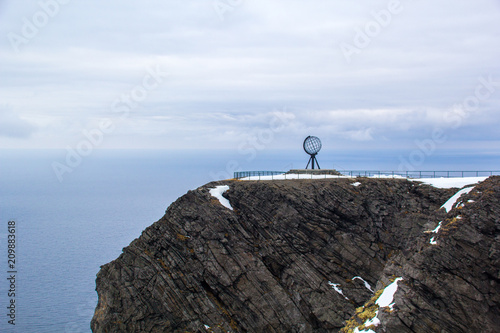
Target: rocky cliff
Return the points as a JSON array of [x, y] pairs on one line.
[[333, 255]]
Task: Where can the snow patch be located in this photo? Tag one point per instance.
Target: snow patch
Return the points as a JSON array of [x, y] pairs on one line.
[[217, 193], [336, 286], [436, 230], [450, 182], [436, 182], [387, 297], [286, 176], [356, 184], [374, 321], [448, 205], [367, 285], [371, 322]]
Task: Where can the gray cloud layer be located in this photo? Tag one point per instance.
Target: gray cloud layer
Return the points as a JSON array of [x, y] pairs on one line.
[[380, 73]]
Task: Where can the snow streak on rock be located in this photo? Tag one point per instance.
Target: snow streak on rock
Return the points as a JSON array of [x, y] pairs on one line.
[[448, 205], [337, 288], [367, 285], [217, 193]]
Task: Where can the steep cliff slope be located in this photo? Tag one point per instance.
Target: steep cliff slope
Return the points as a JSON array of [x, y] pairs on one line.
[[350, 255]]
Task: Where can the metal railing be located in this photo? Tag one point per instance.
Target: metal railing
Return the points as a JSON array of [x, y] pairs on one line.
[[418, 174], [374, 173], [243, 174]]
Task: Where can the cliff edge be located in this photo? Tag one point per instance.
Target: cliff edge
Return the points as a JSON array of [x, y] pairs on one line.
[[332, 255]]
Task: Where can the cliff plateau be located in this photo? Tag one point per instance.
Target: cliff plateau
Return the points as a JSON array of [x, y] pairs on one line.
[[331, 255]]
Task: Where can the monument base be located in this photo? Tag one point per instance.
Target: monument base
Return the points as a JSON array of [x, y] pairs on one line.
[[315, 172]]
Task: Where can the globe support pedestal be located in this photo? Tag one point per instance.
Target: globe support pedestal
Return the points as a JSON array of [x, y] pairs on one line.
[[313, 159]]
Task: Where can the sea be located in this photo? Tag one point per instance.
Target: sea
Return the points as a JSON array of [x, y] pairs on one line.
[[66, 224]]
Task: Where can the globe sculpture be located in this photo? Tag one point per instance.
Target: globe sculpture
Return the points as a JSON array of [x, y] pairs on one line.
[[312, 145]]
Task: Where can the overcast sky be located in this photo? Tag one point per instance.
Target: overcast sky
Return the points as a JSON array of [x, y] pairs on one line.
[[215, 74]]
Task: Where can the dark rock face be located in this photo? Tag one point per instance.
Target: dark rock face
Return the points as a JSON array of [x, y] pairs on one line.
[[454, 286], [297, 255]]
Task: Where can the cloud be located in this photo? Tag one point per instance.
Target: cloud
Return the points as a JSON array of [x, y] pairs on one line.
[[360, 135], [227, 76], [13, 126]]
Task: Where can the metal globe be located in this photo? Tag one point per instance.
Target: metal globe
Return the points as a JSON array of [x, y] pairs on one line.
[[312, 145]]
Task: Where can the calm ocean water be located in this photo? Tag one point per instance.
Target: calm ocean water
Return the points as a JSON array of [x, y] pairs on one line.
[[66, 230]]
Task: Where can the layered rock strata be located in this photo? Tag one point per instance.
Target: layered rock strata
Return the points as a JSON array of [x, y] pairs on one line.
[[311, 256]]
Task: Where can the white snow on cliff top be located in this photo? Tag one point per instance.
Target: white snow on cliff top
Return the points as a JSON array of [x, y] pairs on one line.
[[287, 176], [217, 193], [436, 182], [450, 182]]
